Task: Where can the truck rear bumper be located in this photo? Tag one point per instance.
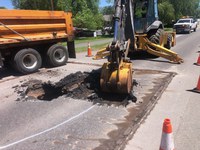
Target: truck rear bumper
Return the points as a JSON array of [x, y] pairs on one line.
[[71, 49]]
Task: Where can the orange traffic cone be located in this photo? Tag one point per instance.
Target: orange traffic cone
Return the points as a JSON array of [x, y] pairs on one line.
[[197, 89], [167, 141], [198, 61], [89, 52]]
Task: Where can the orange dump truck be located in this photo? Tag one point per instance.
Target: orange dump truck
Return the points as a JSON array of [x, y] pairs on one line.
[[29, 38]]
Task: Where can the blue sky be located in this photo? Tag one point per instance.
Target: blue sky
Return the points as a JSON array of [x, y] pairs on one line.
[[104, 3], [8, 4]]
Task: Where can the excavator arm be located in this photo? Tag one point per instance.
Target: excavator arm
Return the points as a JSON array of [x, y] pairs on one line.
[[150, 47], [116, 74]]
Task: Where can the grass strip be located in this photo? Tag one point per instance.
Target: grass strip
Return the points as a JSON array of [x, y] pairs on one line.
[[87, 39], [94, 48], [168, 29]]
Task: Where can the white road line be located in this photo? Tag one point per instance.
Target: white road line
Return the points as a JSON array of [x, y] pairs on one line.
[[47, 130]]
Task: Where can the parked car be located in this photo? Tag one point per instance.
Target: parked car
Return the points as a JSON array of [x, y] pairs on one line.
[[83, 32], [107, 30], [185, 25]]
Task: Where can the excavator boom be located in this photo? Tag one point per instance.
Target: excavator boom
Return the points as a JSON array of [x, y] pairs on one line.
[[116, 74]]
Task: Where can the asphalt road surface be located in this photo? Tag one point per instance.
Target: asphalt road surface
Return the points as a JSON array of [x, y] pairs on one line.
[[80, 124]]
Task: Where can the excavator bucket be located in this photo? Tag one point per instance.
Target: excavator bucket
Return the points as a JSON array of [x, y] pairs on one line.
[[116, 80]]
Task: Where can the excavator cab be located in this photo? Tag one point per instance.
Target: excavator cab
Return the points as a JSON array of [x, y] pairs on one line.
[[140, 15], [145, 13]]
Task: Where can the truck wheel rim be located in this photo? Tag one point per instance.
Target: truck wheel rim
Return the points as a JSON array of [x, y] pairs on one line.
[[59, 55], [29, 61]]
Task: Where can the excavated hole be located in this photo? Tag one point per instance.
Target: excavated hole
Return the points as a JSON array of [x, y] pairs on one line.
[[79, 85]]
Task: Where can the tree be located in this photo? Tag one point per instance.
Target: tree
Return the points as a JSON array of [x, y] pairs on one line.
[[197, 15], [35, 4], [86, 19], [184, 7], [1, 7], [107, 10], [166, 12], [86, 14]]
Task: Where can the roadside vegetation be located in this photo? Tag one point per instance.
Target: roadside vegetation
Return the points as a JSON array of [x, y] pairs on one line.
[[93, 47], [172, 10], [89, 39], [79, 40], [88, 14]]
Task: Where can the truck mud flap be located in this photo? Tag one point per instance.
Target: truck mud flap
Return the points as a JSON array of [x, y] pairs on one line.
[[71, 49], [1, 60]]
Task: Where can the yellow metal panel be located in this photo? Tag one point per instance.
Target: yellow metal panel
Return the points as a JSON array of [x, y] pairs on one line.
[[35, 27], [31, 14]]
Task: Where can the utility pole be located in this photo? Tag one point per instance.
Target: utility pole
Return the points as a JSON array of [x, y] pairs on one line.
[[52, 6]]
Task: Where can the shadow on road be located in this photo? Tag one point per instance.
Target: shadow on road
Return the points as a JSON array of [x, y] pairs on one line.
[[140, 55], [143, 55], [5, 72]]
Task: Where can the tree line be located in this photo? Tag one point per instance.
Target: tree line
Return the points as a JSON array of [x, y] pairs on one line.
[[171, 9], [174, 9], [86, 13]]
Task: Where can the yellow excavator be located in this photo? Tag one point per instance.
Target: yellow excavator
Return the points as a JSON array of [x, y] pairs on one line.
[[136, 27]]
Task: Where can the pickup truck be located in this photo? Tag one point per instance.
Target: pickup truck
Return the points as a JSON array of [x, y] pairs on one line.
[[185, 25]]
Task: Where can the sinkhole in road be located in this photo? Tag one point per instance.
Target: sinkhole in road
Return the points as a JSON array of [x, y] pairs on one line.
[[79, 85]]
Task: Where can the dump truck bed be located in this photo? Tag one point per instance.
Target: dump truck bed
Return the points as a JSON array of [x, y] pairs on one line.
[[18, 26]]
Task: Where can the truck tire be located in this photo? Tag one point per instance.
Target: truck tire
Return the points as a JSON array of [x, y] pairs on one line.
[[27, 61], [169, 42], [57, 55], [1, 60], [195, 29], [155, 38], [189, 31]]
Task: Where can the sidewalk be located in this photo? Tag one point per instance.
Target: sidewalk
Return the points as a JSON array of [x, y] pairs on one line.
[[178, 104]]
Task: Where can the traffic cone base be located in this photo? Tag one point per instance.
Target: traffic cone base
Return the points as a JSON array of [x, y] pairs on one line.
[[197, 89], [167, 140], [198, 61]]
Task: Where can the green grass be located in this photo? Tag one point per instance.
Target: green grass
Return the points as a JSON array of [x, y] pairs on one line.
[[79, 40], [168, 29], [95, 47]]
